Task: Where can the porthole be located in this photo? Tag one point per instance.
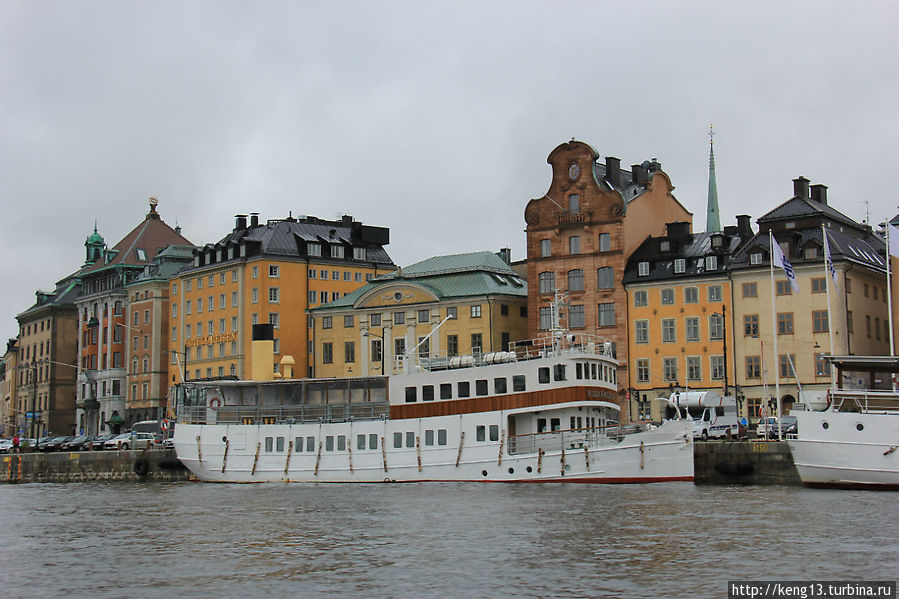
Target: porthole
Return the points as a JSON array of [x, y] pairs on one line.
[[511, 470], [567, 467], [825, 425], [483, 473], [529, 469], [859, 427]]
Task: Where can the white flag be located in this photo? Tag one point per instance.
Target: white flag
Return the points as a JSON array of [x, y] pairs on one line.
[[828, 261], [781, 261], [893, 232]]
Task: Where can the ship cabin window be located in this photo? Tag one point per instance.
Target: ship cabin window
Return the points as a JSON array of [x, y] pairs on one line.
[[559, 372], [543, 375], [518, 383], [373, 441], [410, 439], [555, 424], [298, 443], [341, 443], [441, 436], [463, 389], [593, 373], [429, 437], [269, 444], [500, 385], [427, 393], [411, 394], [480, 387], [481, 433], [494, 432], [360, 441], [541, 425], [397, 440], [279, 444], [446, 390], [578, 371], [310, 443], [329, 443]]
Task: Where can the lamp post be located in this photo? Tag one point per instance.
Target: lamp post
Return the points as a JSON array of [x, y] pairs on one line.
[[723, 315], [370, 334]]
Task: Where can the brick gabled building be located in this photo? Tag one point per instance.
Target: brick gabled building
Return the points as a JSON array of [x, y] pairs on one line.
[[581, 232]]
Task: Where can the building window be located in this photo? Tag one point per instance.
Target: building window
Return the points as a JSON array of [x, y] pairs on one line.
[[784, 323], [574, 244], [545, 318], [787, 361], [641, 331], [255, 294], [576, 280], [669, 330], [234, 299], [868, 325], [424, 316], [452, 313], [348, 321], [606, 315], [477, 343], [326, 322], [314, 249], [576, 317], [375, 350], [667, 296], [820, 322], [547, 282], [680, 265], [664, 245], [605, 277], [574, 203], [337, 251], [452, 345], [274, 295], [669, 369], [274, 271], [641, 299], [642, 370], [274, 319], [691, 295], [476, 311], [716, 327], [643, 269], [349, 352], [714, 293], [255, 272], [545, 248], [694, 368], [692, 328], [750, 290], [327, 353], [399, 318], [821, 368], [375, 320], [755, 258], [605, 242], [711, 263], [716, 363], [784, 288], [819, 285], [753, 367]]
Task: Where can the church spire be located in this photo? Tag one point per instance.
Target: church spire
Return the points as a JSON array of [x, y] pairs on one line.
[[712, 219]]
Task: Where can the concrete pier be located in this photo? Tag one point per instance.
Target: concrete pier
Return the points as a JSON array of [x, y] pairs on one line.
[[84, 466], [744, 463]]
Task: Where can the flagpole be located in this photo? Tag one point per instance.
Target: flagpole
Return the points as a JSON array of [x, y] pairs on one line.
[[828, 257], [774, 330], [890, 301]]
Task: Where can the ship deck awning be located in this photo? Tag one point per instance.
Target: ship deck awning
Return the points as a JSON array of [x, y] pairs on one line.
[[865, 363]]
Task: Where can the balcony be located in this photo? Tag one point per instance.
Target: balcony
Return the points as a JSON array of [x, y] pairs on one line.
[[574, 218]]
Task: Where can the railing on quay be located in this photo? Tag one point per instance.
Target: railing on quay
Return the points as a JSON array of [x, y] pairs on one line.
[[282, 414]]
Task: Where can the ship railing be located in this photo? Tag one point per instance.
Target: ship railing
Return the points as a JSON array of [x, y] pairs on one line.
[[864, 400], [282, 414], [573, 439]]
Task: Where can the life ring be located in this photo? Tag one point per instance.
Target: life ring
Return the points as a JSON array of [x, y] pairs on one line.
[[141, 467], [215, 402]]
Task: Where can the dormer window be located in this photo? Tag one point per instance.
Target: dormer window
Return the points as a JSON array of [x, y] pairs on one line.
[[755, 258], [811, 252], [643, 269], [141, 254], [680, 265], [664, 245], [314, 249], [717, 241], [337, 251], [711, 262]]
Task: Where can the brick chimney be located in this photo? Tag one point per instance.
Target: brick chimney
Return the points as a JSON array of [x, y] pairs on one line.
[[800, 188], [744, 226], [819, 193], [613, 171]]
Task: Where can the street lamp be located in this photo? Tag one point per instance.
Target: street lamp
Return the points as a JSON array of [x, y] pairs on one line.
[[723, 315], [367, 333]]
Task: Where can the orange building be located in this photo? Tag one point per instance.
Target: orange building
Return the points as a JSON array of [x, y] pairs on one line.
[[268, 273]]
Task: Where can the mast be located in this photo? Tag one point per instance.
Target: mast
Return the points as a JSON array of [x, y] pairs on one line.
[[774, 331], [830, 272], [712, 219]]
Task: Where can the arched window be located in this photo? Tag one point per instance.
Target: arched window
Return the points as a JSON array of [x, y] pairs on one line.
[[146, 364], [134, 366], [547, 282], [605, 278], [576, 280]]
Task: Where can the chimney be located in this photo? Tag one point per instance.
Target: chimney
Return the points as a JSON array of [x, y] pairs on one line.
[[287, 364], [800, 188], [263, 352], [178, 229], [254, 219], [506, 255], [639, 176], [819, 193], [678, 231], [240, 222], [613, 171], [346, 220], [744, 226]]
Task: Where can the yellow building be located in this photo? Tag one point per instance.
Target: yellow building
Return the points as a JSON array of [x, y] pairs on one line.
[[265, 274], [464, 304], [678, 311]]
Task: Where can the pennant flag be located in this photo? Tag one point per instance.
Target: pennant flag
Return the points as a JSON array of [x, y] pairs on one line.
[[828, 261], [781, 261], [893, 232]]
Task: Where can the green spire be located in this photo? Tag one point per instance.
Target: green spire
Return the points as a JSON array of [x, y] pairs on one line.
[[712, 219]]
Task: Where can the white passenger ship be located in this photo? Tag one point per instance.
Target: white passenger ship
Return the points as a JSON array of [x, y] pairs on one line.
[[543, 412]]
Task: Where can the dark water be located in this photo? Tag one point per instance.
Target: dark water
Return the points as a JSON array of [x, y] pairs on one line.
[[434, 540]]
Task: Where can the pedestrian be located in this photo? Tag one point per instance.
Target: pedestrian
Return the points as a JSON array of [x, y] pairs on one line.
[[15, 443]]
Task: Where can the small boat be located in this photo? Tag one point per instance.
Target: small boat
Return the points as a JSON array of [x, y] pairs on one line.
[[854, 441], [544, 411]]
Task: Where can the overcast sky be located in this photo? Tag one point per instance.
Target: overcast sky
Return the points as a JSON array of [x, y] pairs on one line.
[[431, 118]]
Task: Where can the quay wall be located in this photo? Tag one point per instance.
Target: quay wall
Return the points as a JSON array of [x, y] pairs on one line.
[[85, 466], [744, 463]]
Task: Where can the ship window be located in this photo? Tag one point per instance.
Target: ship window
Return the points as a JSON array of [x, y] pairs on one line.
[[373, 441], [441, 436], [341, 443], [310, 443], [298, 443], [446, 390], [500, 385], [543, 374], [559, 372], [269, 443], [329, 443], [578, 371], [279, 444], [429, 437], [494, 432], [859, 427], [480, 386], [555, 424], [518, 382], [463, 389], [593, 373], [410, 439], [397, 440], [360, 441], [411, 394], [427, 393], [481, 432], [541, 425]]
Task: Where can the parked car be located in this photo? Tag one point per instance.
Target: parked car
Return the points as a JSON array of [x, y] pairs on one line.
[[768, 426], [5, 445], [76, 443], [98, 442], [131, 441], [42, 443], [56, 443]]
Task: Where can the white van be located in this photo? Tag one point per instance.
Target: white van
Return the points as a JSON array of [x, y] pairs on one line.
[[713, 415]]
